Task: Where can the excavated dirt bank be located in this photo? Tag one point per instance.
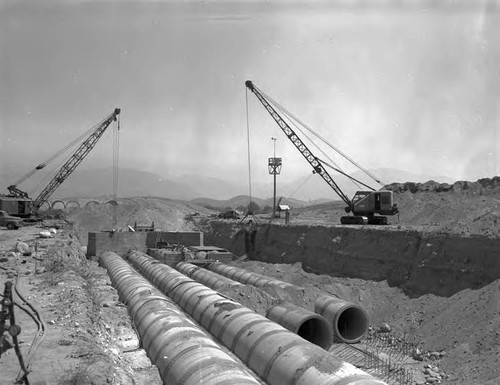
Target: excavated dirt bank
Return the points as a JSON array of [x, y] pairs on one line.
[[441, 289], [419, 263]]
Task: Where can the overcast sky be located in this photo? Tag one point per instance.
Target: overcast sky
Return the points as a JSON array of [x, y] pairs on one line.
[[407, 86]]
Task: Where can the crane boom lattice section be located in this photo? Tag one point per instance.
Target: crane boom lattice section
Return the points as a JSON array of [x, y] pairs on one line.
[[78, 156], [299, 144], [365, 204]]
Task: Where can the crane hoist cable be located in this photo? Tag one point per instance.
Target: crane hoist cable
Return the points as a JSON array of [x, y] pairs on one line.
[[53, 168], [248, 152], [291, 116], [44, 180], [298, 128], [354, 180], [335, 166], [71, 163], [298, 125], [365, 205], [309, 176], [340, 152], [56, 155], [116, 156]]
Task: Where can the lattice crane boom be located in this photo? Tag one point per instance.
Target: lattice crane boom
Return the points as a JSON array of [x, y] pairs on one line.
[[299, 144], [365, 204], [78, 156]]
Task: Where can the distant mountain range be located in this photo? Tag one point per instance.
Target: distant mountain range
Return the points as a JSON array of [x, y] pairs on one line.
[[91, 183], [244, 200]]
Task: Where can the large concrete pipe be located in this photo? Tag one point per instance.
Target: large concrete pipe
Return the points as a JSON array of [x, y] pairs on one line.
[[183, 353], [277, 355], [349, 321], [311, 326], [206, 277], [247, 277]]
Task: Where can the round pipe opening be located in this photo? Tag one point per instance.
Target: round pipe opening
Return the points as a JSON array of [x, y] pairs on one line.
[[351, 324], [310, 326], [317, 331]]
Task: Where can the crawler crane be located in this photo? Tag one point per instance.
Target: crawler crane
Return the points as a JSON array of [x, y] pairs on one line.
[[365, 204], [18, 202]]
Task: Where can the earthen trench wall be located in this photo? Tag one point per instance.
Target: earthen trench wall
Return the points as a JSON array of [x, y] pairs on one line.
[[419, 263]]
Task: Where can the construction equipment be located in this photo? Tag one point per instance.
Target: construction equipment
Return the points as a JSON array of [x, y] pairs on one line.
[[12, 223], [365, 204], [229, 214], [18, 202]]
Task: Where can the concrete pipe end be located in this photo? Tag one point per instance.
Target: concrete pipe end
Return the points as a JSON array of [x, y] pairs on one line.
[[316, 330], [351, 324], [310, 326]]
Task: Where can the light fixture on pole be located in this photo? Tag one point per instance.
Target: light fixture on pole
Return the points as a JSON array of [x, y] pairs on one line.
[[274, 167]]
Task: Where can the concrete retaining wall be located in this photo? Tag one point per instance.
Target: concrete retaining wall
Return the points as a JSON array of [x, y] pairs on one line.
[[419, 263], [119, 242]]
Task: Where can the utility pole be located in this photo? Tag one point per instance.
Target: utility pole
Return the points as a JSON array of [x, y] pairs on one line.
[[274, 167]]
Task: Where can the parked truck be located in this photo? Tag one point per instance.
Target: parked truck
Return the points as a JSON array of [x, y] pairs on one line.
[[12, 223]]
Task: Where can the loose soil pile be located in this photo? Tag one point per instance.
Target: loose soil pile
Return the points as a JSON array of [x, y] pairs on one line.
[[164, 214]]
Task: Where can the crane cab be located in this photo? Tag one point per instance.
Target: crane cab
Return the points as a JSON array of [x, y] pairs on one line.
[[365, 204], [374, 202], [21, 207]]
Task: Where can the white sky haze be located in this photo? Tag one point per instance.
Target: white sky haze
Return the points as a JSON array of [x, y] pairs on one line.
[[406, 86]]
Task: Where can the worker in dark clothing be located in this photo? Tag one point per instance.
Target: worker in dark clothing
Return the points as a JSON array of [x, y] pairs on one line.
[[250, 232], [287, 216]]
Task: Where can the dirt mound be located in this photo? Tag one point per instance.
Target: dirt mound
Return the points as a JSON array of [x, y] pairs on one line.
[[166, 214], [464, 208], [480, 187], [451, 212], [465, 326]]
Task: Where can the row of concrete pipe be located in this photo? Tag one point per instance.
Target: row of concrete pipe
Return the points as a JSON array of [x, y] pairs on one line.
[[275, 354], [307, 324], [181, 350], [348, 320]]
